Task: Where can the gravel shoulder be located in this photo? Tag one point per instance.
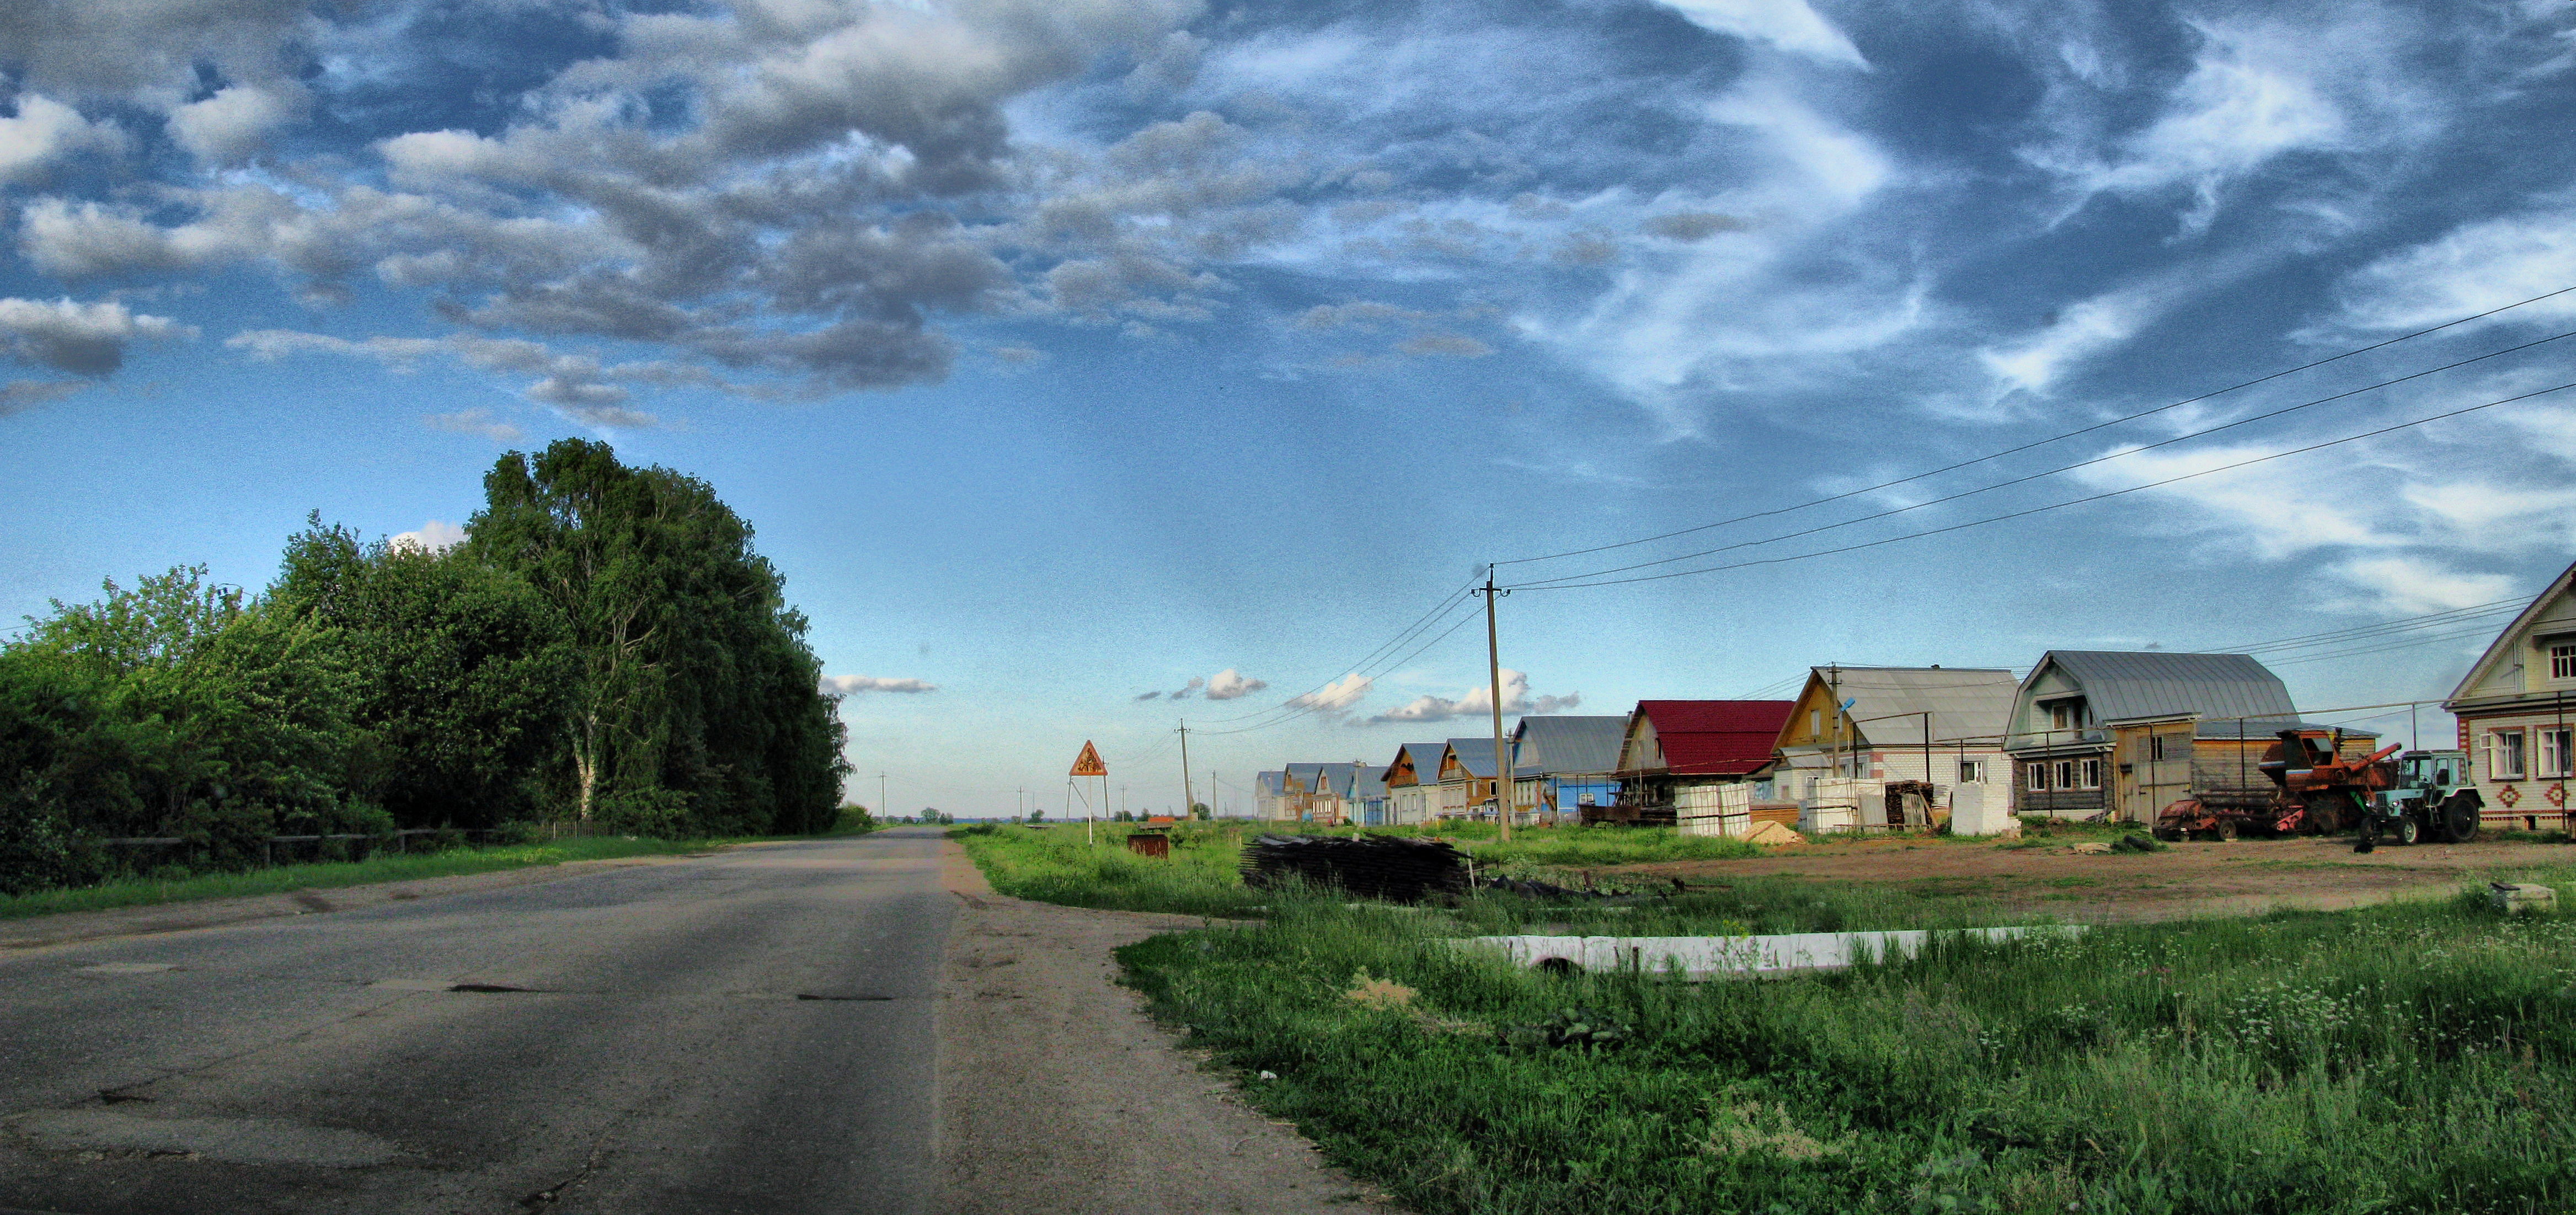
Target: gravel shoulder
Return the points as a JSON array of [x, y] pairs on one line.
[[2188, 879], [1058, 1094]]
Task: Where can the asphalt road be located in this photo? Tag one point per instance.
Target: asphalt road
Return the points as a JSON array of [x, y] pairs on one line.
[[752, 1032]]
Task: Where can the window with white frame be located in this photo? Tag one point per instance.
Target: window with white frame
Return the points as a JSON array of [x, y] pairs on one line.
[[2562, 660], [2039, 778], [2504, 755], [2065, 774], [2092, 774], [2555, 753], [1972, 771]]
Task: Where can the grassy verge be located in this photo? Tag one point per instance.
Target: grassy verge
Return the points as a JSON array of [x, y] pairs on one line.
[[2416, 1057], [325, 875]]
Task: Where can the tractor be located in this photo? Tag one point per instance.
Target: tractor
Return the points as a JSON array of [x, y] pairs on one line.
[[2423, 804], [2404, 800]]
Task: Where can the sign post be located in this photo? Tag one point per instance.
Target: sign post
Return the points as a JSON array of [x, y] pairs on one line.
[[1088, 764]]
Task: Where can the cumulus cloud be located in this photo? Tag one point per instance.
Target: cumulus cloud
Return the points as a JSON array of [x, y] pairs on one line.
[[1479, 701], [83, 339], [42, 132], [1229, 684], [435, 536], [1193, 685], [1335, 697], [577, 386], [235, 121], [847, 685]]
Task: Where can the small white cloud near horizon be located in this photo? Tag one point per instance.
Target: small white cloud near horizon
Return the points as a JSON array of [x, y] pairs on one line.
[[1229, 684], [1335, 697], [435, 536], [846, 685], [1479, 701]]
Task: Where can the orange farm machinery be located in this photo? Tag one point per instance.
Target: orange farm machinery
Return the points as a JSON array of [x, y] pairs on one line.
[[2317, 789]]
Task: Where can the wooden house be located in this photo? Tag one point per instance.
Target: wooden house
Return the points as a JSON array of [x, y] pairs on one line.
[[1671, 746], [1467, 780], [1936, 726], [1574, 760], [2118, 734], [1412, 782], [2514, 711]]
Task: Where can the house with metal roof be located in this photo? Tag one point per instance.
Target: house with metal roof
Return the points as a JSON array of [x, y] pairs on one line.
[[1941, 726], [2514, 710], [2123, 733], [1467, 780], [1357, 793], [1672, 746], [1575, 758], [1412, 781]]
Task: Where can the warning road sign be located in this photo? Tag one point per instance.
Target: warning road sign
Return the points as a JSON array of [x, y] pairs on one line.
[[1088, 763]]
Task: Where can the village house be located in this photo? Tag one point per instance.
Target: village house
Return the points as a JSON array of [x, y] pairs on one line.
[[1677, 750], [1270, 796], [2121, 734], [1359, 791], [1467, 781], [1900, 727], [1574, 761], [1413, 782], [2514, 713]]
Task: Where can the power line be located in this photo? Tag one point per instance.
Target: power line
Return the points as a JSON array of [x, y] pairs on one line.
[[2121, 454], [2043, 442], [1318, 706], [1447, 603], [1561, 586], [2475, 609]]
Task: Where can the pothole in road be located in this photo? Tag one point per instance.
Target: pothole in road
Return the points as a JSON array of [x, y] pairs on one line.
[[230, 1140], [488, 987]]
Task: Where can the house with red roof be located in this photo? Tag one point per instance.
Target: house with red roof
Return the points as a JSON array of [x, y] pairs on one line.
[[1672, 745]]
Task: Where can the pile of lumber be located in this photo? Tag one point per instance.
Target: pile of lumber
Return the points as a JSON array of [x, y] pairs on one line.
[[1394, 868]]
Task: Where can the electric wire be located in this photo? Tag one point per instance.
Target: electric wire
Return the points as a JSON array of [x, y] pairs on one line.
[[1447, 602], [2051, 439], [1561, 586], [2330, 635], [2120, 454]]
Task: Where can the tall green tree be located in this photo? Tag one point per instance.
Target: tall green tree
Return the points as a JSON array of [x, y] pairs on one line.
[[695, 703], [463, 671]]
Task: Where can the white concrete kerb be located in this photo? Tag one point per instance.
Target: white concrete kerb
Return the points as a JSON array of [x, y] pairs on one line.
[[1709, 957]]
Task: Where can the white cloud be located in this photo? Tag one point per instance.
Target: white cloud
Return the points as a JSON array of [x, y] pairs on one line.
[[1787, 24], [19, 395], [2417, 586], [575, 386], [1229, 684], [44, 130], [2470, 269], [1335, 697], [230, 125], [845, 685], [2082, 329], [84, 339], [1478, 701], [435, 536]]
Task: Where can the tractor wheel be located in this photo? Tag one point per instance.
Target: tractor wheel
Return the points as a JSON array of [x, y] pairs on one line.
[[2460, 816], [2408, 830], [2226, 832]]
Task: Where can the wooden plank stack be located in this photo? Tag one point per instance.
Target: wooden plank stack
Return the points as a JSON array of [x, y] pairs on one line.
[[1397, 869]]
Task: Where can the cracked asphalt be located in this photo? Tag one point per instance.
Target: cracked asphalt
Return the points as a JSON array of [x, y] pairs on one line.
[[753, 1031]]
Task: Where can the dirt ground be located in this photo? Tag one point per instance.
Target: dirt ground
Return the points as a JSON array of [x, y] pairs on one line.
[[1057, 1094], [2187, 879]]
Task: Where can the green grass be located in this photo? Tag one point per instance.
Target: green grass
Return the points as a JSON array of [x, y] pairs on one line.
[[1055, 865], [325, 875], [2416, 1057]]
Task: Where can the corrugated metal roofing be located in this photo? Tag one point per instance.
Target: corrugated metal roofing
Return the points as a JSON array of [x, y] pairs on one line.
[[1889, 702], [1426, 762], [1306, 776], [2122, 684], [1716, 737], [1554, 744], [1476, 755], [1271, 782]]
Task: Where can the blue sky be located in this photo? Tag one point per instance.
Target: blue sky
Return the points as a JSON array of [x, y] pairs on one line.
[[1073, 354]]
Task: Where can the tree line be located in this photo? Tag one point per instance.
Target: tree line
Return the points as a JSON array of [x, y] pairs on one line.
[[605, 646]]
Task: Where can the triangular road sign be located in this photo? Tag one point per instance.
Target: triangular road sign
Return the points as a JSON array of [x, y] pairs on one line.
[[1088, 763]]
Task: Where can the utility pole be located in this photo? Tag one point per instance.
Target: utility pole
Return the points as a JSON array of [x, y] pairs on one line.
[[1185, 768], [882, 807], [1122, 798], [1494, 670]]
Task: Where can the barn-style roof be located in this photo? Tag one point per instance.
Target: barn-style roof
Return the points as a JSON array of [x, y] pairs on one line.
[[1426, 762], [1888, 703], [1476, 755], [1716, 737], [2122, 685]]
